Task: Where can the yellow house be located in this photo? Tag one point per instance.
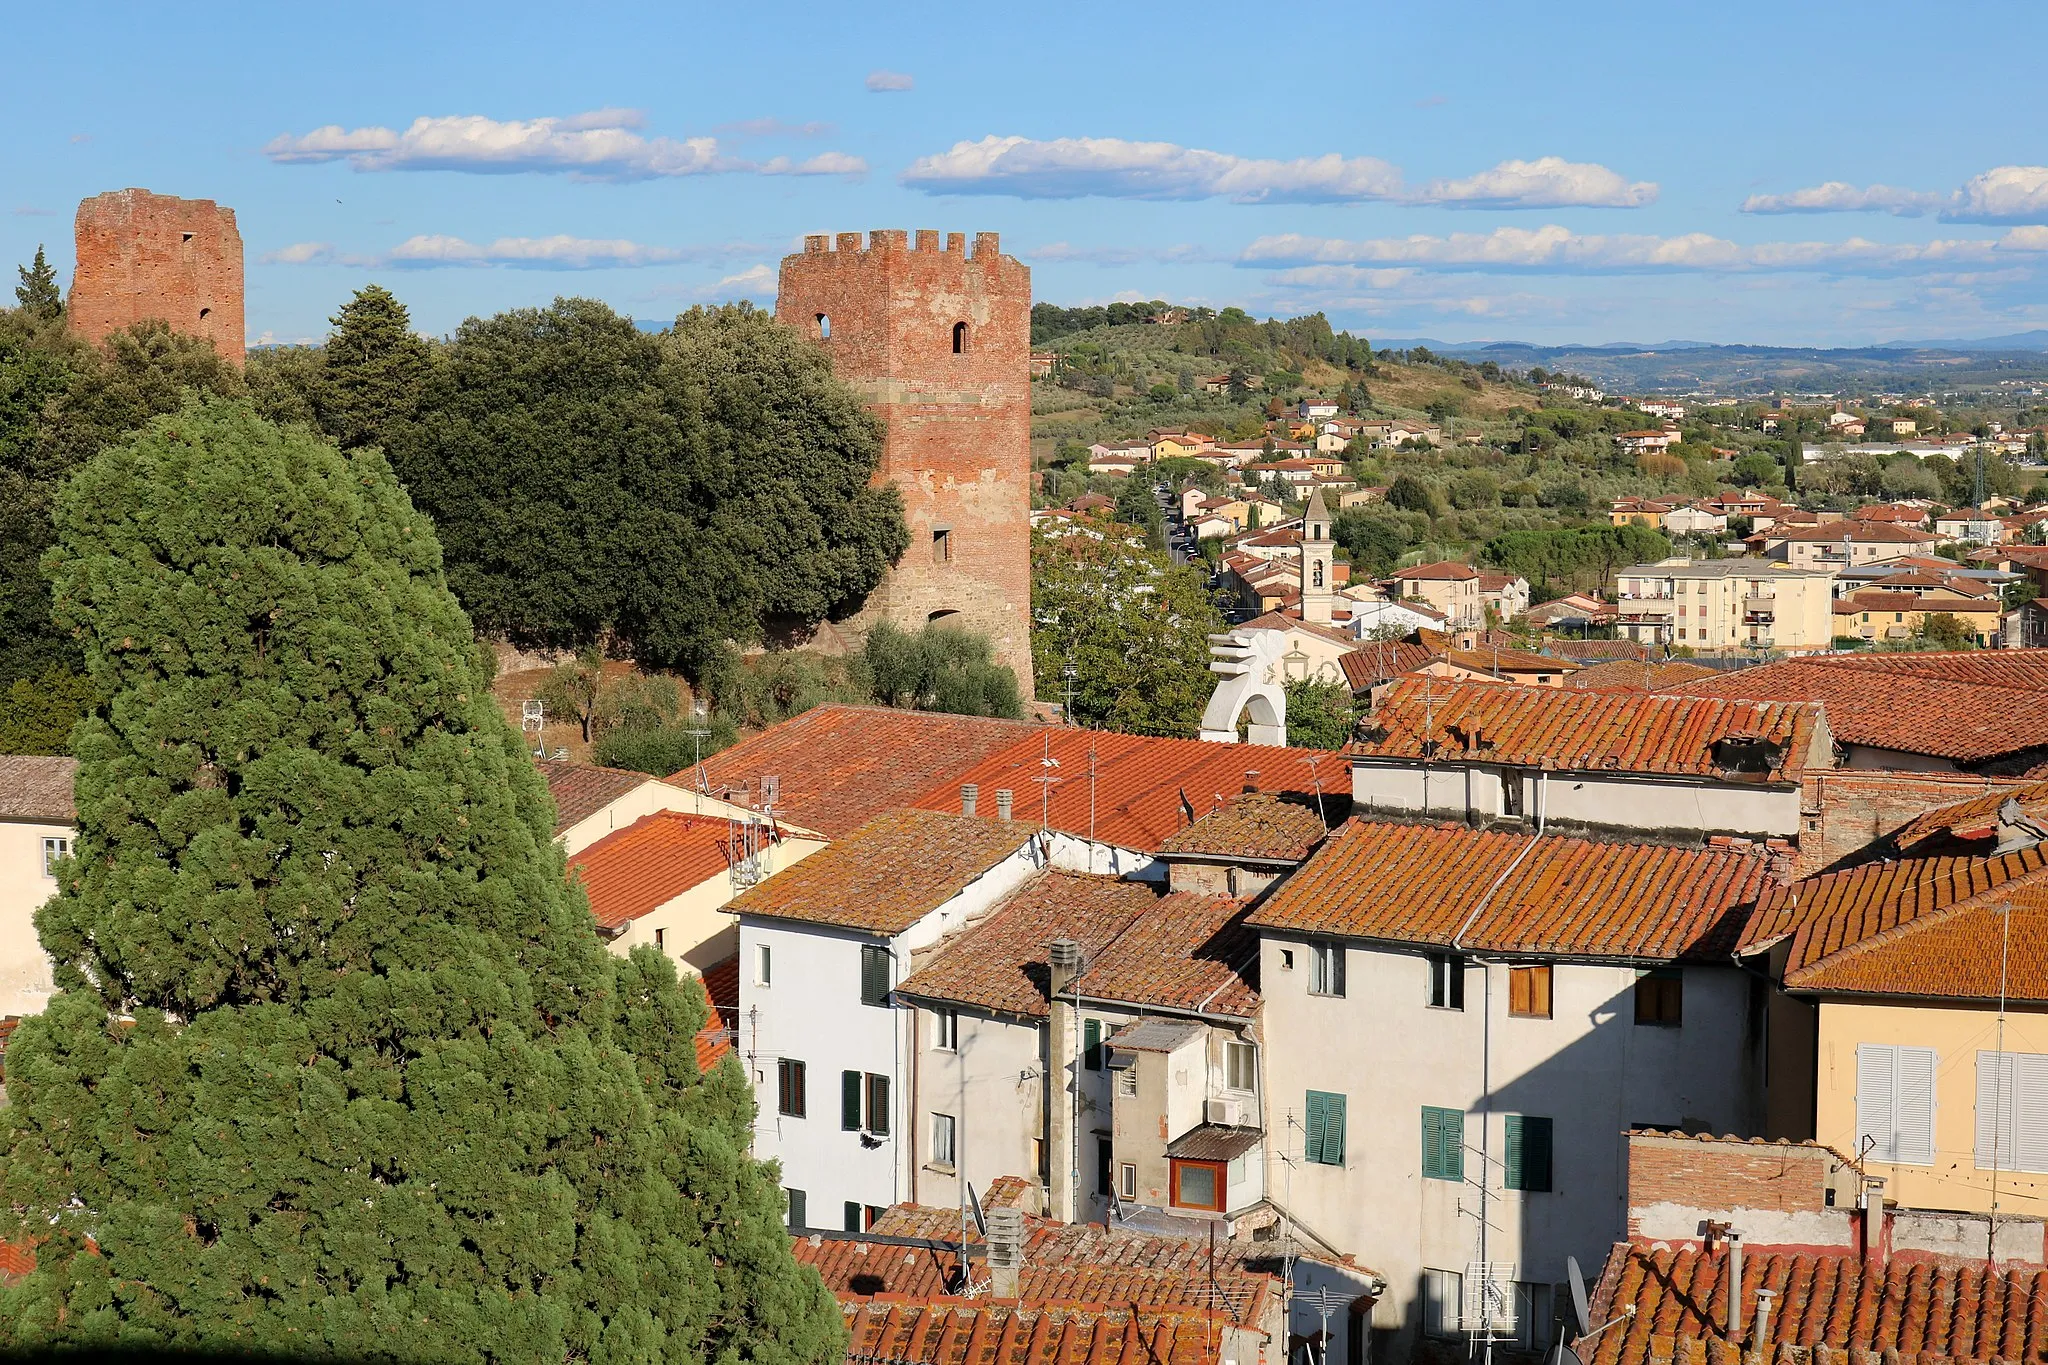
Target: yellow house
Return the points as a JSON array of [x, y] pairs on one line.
[[1170, 445], [1913, 1029]]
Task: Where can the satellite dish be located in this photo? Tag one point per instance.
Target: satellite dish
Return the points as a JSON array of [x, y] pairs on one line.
[[1579, 1306], [1566, 1356], [980, 1221]]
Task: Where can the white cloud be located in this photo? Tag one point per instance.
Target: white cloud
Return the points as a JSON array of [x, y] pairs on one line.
[[2006, 194], [1547, 182], [888, 82], [824, 163], [302, 253], [1075, 167], [1838, 196], [1557, 250], [603, 144], [559, 252]]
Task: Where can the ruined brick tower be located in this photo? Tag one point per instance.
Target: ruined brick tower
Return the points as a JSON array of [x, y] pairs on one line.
[[939, 344], [143, 255]]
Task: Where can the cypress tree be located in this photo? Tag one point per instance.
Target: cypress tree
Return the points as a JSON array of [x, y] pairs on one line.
[[376, 370], [338, 1065], [38, 293]]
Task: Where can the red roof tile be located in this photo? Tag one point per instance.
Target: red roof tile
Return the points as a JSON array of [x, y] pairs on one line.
[[714, 1040], [1134, 791], [1370, 665], [1968, 826], [1914, 1311], [1261, 825], [1567, 730], [649, 863], [1492, 658], [982, 1331], [15, 1262], [1633, 675], [840, 766], [1186, 952], [33, 787], [581, 790], [999, 962], [1448, 569], [1501, 892], [889, 873], [1860, 532]]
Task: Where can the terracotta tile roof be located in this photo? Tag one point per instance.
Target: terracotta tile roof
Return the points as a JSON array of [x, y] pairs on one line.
[[1910, 516], [33, 787], [1569, 730], [1915, 1311], [722, 985], [998, 963], [714, 1040], [1496, 581], [1501, 892], [1969, 707], [1274, 620], [1449, 569], [841, 766], [1261, 825], [1860, 532], [1369, 665], [1629, 675], [15, 1262], [1143, 789], [649, 863], [1968, 826], [1509, 661], [1586, 650], [1870, 600], [889, 873], [1186, 952], [581, 790], [981, 1331], [1916, 926]]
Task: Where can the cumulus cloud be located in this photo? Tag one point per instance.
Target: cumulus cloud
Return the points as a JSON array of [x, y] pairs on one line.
[[1547, 182], [889, 82], [603, 144], [1557, 250], [2004, 194], [429, 251], [825, 163], [1076, 167]]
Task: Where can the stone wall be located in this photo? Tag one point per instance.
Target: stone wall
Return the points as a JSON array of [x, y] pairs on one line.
[[143, 255], [938, 342], [1845, 810]]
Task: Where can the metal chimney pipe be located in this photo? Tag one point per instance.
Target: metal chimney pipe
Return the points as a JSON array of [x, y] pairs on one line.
[[1735, 1305], [969, 794], [1003, 803]]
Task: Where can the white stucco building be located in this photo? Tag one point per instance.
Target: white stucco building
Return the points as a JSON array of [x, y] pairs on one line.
[[37, 824]]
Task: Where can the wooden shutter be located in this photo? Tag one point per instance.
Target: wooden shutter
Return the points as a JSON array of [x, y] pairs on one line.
[[1091, 1044], [1443, 1143], [1876, 1119], [849, 1100], [798, 1214], [878, 1105], [1528, 1152], [1313, 1123], [1512, 1156], [874, 975], [1520, 983], [1914, 1087], [1454, 1144], [1333, 1130]]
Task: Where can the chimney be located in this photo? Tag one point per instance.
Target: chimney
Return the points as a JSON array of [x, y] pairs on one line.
[[1005, 1251], [1251, 779], [1873, 1224], [1062, 1043], [1002, 803], [969, 794], [1734, 1324]]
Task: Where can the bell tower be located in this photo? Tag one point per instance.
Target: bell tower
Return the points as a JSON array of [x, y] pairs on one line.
[[1317, 550]]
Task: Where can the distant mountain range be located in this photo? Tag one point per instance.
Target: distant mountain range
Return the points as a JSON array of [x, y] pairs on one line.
[[2036, 340]]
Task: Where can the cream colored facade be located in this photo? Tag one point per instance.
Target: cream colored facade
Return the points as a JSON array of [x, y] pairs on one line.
[[1459, 599], [1956, 1178], [25, 982], [647, 798], [1726, 604], [695, 929]]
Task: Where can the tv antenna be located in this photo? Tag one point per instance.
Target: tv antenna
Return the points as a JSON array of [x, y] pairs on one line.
[[533, 715], [700, 730]]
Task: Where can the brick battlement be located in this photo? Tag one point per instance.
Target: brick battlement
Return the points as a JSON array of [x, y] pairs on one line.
[[987, 245], [143, 256]]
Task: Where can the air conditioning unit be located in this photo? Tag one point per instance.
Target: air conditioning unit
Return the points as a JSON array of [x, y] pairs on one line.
[[1226, 1113]]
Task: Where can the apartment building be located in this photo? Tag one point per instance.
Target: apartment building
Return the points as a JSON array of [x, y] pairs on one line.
[[1726, 604]]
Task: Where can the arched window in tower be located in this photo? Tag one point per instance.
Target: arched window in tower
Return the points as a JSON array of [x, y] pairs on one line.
[[1316, 575], [824, 326], [959, 338]]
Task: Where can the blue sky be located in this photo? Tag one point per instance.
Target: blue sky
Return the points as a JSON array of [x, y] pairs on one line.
[[1782, 173]]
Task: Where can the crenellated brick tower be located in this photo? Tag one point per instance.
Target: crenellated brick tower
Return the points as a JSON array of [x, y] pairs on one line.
[[938, 342], [143, 255]]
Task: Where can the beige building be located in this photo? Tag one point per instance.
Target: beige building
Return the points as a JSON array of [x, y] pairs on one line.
[[1843, 544], [1452, 588], [1726, 604], [37, 821]]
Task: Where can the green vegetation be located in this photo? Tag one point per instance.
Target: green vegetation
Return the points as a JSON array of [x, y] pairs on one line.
[[1320, 715], [337, 1064]]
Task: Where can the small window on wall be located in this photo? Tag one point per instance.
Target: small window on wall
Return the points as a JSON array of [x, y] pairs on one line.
[[1091, 1044], [946, 1030], [824, 326], [763, 962], [942, 545], [1529, 991], [794, 1201], [1240, 1066], [1660, 997], [959, 338], [53, 849], [1446, 981], [1198, 1185], [1127, 1082], [943, 1131], [1443, 1300], [874, 974], [1127, 1181], [1326, 969]]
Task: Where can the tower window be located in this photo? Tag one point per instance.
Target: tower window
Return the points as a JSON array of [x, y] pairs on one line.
[[942, 545], [959, 338], [184, 236], [824, 325], [204, 313], [1317, 574]]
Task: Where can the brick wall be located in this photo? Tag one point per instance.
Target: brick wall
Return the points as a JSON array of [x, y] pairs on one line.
[[1844, 810], [958, 422], [1776, 1192], [143, 255]]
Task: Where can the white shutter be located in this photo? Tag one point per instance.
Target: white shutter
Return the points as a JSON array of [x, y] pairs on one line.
[[1876, 1127], [2030, 1111], [1994, 1110], [1914, 1090]]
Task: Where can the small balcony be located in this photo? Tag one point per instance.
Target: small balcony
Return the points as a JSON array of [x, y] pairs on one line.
[[1644, 608]]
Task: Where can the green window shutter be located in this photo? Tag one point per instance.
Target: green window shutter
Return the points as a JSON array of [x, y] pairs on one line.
[[1443, 1143], [1513, 1155], [849, 1100], [1091, 1044], [1312, 1125], [1432, 1143], [799, 1215], [1324, 1143], [874, 975]]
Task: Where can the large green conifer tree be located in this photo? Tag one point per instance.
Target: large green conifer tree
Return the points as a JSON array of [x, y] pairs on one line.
[[338, 1065]]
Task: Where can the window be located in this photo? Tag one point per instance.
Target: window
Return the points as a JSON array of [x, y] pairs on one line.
[[1127, 1181], [824, 326], [1127, 1082], [1443, 1299], [2012, 1111], [1529, 992], [1660, 997], [1443, 1143], [1326, 969], [959, 338], [789, 1088], [1511, 789], [1105, 1165], [946, 1030], [874, 1216], [794, 1201], [763, 960], [1240, 1066], [661, 940], [1316, 573], [1287, 959], [1446, 981], [1323, 1142], [864, 1103], [1534, 1318], [942, 545], [851, 1209], [874, 974], [53, 849], [943, 1129], [1895, 1103], [1091, 1044], [1528, 1153], [1197, 1185]]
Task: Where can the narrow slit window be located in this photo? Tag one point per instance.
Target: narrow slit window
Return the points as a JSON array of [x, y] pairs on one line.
[[942, 545], [959, 338], [824, 326]]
